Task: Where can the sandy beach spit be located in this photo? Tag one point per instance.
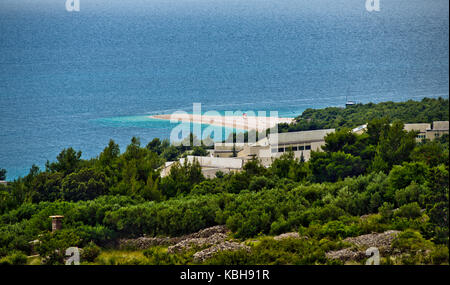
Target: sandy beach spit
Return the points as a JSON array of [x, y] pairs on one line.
[[238, 122]]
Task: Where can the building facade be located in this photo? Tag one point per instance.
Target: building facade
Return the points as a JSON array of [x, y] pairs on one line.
[[425, 130], [231, 157], [439, 129], [300, 143], [210, 165], [422, 130]]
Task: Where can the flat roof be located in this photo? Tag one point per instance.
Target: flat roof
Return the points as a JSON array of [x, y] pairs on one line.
[[362, 127], [421, 127], [299, 137], [440, 125], [215, 162]]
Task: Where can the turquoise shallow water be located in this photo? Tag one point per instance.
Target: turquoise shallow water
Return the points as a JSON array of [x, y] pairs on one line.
[[79, 79]]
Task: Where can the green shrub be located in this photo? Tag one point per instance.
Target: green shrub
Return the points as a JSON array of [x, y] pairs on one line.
[[14, 258], [410, 211], [159, 256], [97, 234], [402, 175], [373, 223], [439, 255], [259, 182], [386, 211], [337, 229], [409, 194], [272, 252], [53, 245], [279, 226], [90, 252], [238, 257], [411, 241]]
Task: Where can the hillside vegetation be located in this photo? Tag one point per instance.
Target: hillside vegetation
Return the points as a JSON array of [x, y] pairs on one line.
[[425, 111], [360, 184]]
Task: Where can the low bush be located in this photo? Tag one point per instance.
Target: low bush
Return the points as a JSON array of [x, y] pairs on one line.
[[14, 258], [90, 252]]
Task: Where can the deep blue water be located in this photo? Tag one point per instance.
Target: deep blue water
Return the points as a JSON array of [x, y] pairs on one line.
[[78, 79]]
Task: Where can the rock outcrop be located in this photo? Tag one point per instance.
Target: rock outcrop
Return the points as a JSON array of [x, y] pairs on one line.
[[288, 235], [210, 241], [221, 229], [146, 242], [226, 245], [379, 240], [345, 254], [382, 241], [200, 242]]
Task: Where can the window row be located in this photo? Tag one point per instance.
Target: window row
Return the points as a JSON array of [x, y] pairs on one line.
[[293, 148]]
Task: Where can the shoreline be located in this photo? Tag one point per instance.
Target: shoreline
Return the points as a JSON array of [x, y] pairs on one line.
[[238, 122]]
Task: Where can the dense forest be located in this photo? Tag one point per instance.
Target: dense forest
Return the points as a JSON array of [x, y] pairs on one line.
[[425, 111], [380, 180]]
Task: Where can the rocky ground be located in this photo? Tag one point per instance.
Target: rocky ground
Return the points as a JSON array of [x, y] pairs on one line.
[[146, 242], [214, 239], [382, 241], [379, 240], [288, 235], [211, 240], [225, 245], [201, 242], [208, 241]]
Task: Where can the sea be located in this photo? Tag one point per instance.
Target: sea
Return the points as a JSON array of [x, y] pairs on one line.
[[80, 78]]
